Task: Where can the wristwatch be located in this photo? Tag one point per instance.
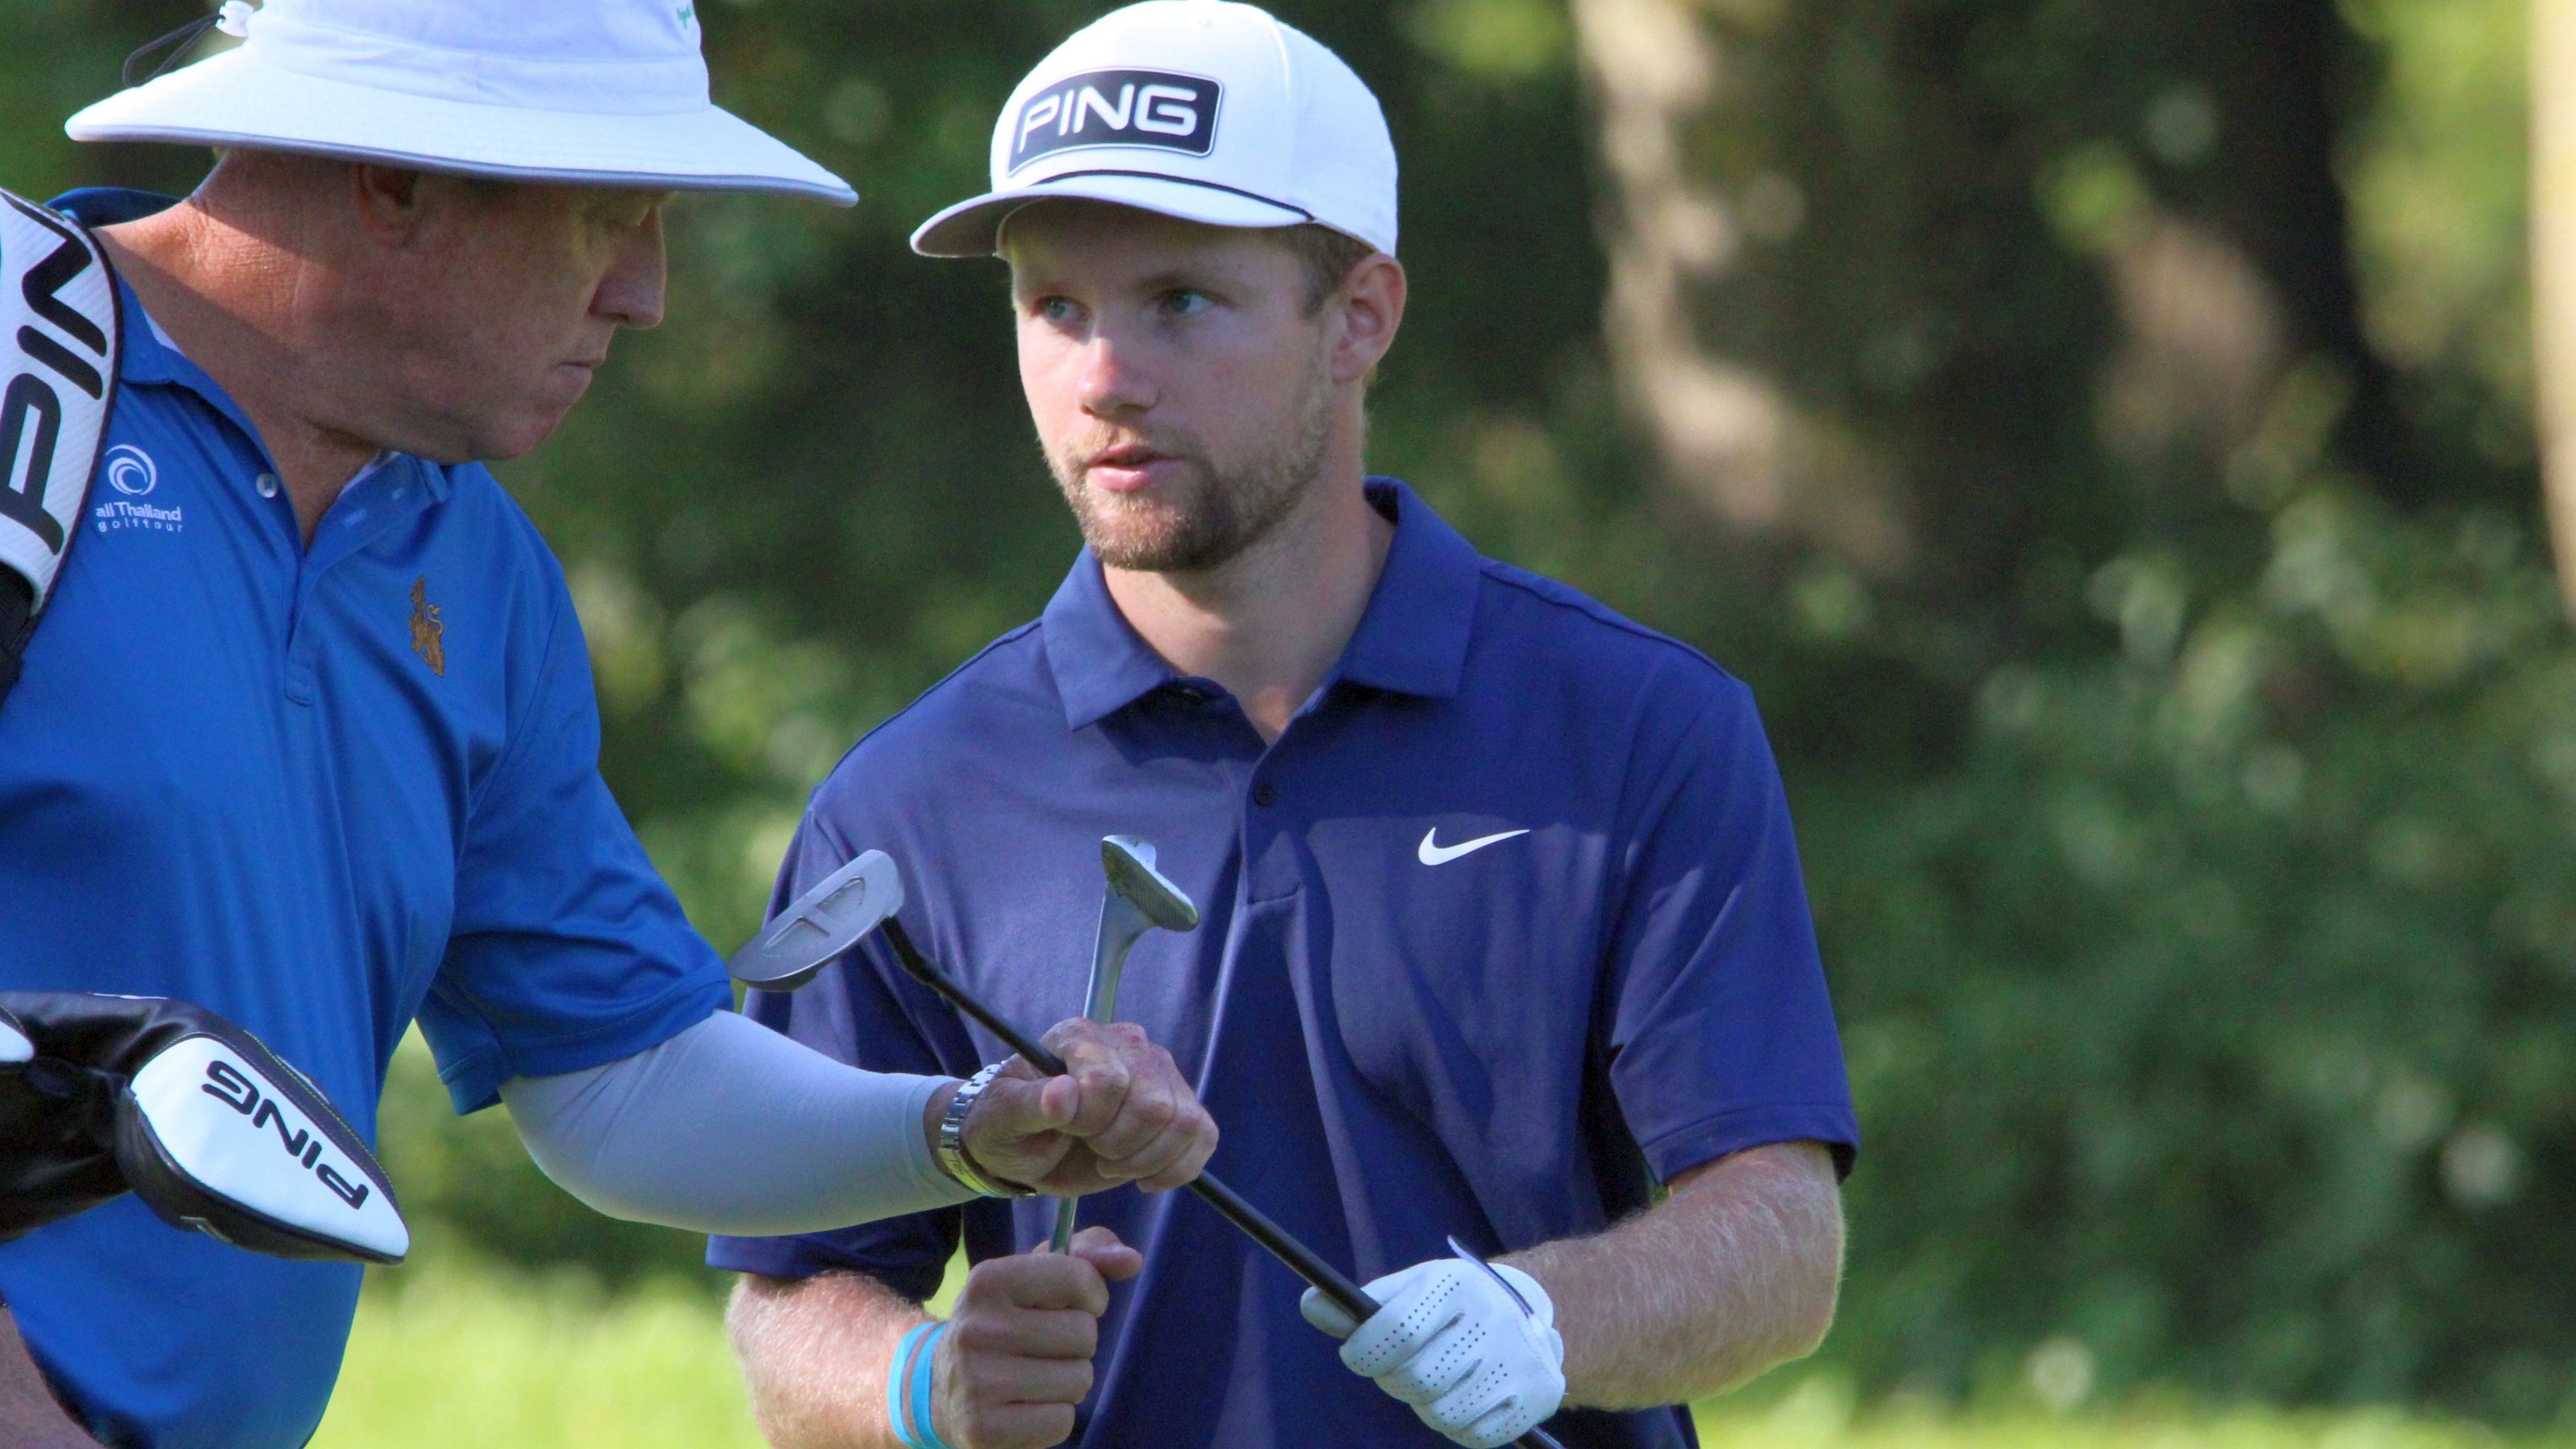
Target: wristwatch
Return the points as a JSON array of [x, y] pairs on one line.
[[953, 1158]]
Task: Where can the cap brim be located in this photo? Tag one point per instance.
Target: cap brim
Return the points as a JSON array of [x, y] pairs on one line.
[[971, 228], [231, 100]]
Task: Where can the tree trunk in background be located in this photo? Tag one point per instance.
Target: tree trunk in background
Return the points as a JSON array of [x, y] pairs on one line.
[[1725, 435], [2553, 269], [2286, 75], [1653, 73], [1854, 312]]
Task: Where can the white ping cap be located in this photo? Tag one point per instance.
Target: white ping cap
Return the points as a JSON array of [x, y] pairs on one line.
[[1206, 110]]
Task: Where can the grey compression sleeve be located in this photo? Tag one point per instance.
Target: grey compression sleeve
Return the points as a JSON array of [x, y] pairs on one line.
[[732, 1128]]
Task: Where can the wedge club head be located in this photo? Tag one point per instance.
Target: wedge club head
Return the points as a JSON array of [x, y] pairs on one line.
[[820, 924], [1139, 898], [1129, 864]]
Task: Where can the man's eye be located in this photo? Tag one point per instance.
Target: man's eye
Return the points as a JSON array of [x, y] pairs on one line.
[[1057, 309], [1183, 302]]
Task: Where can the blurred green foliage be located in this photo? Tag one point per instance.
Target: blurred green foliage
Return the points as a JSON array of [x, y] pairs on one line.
[[2187, 809]]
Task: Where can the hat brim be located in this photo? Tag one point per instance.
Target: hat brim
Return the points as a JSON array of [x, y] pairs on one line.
[[232, 100], [973, 228]]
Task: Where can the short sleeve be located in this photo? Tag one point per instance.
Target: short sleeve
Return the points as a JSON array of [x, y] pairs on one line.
[[863, 1011], [566, 951], [1722, 1033]]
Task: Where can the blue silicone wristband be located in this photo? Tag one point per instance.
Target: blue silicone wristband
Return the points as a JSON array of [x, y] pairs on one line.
[[897, 1377], [924, 1370]]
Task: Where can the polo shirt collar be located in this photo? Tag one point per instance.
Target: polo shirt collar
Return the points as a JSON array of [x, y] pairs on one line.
[[1101, 665], [1412, 639]]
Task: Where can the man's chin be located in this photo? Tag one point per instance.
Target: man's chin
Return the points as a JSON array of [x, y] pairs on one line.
[[1159, 550], [515, 437], [1130, 531]]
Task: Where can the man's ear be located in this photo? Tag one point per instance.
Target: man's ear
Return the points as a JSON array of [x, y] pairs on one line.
[[389, 202], [1371, 302]]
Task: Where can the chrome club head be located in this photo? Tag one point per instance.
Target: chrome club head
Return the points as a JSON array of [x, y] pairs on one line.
[[1138, 899], [1129, 864], [820, 924]]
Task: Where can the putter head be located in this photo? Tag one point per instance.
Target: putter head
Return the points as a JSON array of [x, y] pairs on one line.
[[820, 924], [1129, 864]]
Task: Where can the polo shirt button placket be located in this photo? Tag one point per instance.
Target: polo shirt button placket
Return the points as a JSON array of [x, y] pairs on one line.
[[299, 649]]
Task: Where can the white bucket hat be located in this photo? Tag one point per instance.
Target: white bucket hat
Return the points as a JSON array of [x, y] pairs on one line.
[[589, 92], [1202, 109]]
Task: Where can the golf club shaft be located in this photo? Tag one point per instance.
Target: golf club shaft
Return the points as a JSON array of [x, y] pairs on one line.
[[1098, 1004], [1273, 1239], [1109, 948], [1062, 1238]]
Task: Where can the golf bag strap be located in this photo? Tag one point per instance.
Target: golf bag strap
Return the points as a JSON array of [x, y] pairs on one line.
[[61, 339]]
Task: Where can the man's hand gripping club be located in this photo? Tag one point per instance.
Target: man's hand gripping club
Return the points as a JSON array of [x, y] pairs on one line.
[[1015, 1358], [1122, 1112], [1472, 1348]]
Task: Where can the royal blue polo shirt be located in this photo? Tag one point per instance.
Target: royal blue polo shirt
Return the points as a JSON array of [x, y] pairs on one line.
[[1505, 929], [322, 791]]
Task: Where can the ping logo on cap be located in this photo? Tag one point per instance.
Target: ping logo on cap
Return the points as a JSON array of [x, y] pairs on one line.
[[1158, 108]]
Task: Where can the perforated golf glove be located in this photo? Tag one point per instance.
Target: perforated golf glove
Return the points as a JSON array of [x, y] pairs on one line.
[[1451, 1342], [100, 1095]]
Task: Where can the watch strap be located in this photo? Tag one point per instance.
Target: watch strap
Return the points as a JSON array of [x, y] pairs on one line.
[[953, 1156]]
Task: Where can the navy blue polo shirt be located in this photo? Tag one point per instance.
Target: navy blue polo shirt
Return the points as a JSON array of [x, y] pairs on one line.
[[1401, 1036], [320, 790]]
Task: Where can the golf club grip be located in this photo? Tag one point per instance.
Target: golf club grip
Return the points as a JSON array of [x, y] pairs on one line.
[[1301, 1260], [1273, 1239]]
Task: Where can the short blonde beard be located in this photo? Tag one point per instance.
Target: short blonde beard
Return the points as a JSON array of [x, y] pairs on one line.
[[1230, 510]]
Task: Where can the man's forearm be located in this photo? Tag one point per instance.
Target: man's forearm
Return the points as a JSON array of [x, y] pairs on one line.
[[797, 1340], [729, 1127], [30, 1417], [1734, 1272]]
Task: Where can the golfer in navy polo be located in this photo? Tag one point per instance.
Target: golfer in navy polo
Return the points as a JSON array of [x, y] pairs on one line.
[[1503, 935], [306, 733]]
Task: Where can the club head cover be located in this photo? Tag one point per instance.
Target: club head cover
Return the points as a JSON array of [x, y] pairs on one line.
[[191, 1113], [52, 1127]]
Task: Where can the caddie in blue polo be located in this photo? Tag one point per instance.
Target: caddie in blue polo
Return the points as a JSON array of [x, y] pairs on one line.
[[1503, 952], [305, 735]]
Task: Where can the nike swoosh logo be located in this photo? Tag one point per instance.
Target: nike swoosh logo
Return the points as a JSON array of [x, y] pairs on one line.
[[1434, 853]]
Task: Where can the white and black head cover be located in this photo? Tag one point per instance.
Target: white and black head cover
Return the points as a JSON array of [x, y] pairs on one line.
[[102, 1094], [1206, 110]]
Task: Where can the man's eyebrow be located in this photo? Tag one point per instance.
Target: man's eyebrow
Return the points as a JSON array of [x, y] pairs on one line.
[[1186, 276], [1191, 277]]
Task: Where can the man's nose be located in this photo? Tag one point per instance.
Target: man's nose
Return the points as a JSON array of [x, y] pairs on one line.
[[1111, 380], [631, 294]]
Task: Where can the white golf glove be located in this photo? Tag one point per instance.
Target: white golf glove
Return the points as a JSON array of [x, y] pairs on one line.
[[1451, 1342]]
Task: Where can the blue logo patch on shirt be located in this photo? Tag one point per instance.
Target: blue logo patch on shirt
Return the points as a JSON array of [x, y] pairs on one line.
[[1159, 108], [130, 471]]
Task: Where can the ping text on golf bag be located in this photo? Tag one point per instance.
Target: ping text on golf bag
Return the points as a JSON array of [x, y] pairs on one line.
[[59, 344]]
